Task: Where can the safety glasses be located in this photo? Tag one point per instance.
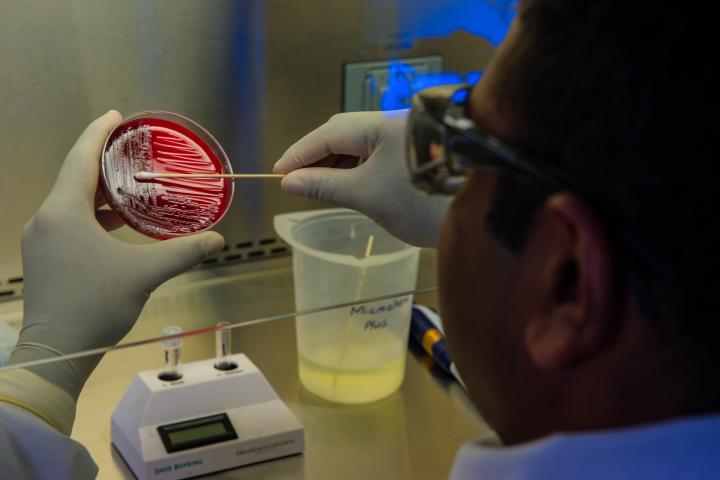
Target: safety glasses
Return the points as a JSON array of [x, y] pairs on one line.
[[444, 146]]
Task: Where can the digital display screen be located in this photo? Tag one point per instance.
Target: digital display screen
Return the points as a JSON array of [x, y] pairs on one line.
[[197, 432]]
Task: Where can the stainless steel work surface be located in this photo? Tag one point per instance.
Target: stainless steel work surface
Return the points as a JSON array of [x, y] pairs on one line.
[[414, 434]]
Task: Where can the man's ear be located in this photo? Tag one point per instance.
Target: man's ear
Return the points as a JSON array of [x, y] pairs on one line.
[[576, 299]]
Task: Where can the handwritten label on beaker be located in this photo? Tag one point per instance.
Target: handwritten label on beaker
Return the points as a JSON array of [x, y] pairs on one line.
[[376, 310], [382, 310]]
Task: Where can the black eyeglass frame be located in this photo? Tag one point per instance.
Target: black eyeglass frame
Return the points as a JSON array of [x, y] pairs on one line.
[[444, 146]]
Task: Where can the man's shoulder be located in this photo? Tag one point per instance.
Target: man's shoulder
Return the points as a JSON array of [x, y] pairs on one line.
[[685, 447]]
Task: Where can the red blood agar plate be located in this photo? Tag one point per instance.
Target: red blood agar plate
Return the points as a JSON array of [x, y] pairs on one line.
[[165, 142]]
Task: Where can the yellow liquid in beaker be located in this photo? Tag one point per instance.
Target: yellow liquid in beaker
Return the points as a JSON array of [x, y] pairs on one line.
[[339, 377]]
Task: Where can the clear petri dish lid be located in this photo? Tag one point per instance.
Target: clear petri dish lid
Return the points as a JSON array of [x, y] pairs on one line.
[[165, 142]]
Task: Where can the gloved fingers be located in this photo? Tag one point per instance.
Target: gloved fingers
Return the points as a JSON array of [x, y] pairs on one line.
[[354, 134], [330, 185], [163, 260], [77, 182], [339, 161], [109, 220]]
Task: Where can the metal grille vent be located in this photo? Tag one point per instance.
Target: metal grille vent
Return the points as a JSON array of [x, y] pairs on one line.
[[249, 251], [236, 252], [11, 288]]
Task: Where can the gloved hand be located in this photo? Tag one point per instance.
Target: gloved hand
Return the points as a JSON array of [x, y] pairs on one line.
[[84, 288], [379, 187]]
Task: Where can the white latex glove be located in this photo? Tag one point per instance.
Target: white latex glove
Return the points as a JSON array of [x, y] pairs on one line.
[[84, 288], [379, 188]]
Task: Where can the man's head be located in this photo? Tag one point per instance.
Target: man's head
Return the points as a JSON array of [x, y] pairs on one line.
[[554, 324]]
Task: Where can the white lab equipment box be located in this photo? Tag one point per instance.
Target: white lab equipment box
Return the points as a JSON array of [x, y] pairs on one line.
[[208, 420]]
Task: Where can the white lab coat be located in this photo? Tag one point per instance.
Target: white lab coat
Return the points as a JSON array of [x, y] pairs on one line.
[[31, 449], [686, 448]]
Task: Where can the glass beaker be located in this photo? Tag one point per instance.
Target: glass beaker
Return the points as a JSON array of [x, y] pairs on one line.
[[165, 142], [355, 354]]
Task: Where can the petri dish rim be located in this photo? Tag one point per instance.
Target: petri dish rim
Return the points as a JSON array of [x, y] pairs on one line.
[[204, 135]]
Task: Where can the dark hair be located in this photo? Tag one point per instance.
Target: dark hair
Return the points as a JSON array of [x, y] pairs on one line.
[[618, 94]]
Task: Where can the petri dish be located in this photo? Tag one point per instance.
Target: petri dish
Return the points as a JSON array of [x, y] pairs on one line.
[[165, 142]]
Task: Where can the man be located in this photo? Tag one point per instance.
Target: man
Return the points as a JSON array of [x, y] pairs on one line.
[[576, 265]]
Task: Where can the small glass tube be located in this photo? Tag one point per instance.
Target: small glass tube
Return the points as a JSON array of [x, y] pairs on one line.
[[223, 348], [172, 348]]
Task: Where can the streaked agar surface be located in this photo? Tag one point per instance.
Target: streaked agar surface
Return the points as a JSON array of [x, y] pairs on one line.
[[167, 207]]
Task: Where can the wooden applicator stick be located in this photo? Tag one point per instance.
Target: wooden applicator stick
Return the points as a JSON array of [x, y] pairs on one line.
[[148, 176]]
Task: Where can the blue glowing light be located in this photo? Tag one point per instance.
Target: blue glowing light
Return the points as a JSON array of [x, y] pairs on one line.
[[460, 97], [423, 19], [489, 19], [403, 83]]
